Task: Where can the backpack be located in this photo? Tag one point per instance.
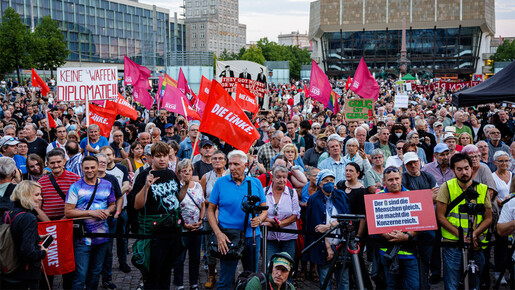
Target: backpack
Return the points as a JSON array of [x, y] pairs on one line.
[[290, 190], [244, 278], [9, 260]]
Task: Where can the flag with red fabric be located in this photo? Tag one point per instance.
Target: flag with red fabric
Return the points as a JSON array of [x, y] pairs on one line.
[[319, 85], [348, 83], [122, 107], [137, 76], [225, 119], [364, 84], [50, 120], [182, 85], [39, 83], [203, 93], [60, 258], [246, 99], [103, 117]]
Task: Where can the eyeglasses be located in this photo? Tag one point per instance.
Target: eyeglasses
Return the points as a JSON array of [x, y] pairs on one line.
[[102, 162], [391, 169], [495, 133], [474, 156], [399, 148], [217, 158], [502, 161]]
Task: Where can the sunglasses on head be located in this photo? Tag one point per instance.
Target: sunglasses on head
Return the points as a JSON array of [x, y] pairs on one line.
[[391, 169]]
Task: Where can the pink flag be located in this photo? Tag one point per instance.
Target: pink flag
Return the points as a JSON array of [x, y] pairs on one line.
[[134, 72], [142, 96], [173, 101], [182, 85], [199, 106], [363, 83], [319, 86]]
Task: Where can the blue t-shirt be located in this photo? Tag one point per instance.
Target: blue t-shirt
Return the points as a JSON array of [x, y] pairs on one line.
[[228, 195], [102, 141], [80, 193], [21, 163], [304, 194]]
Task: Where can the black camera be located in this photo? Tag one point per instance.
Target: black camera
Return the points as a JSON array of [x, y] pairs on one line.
[[251, 205], [472, 208]]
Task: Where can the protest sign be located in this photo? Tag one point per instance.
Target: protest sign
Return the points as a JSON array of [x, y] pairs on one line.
[[403, 211], [401, 101], [59, 259], [252, 76], [359, 109], [95, 83]]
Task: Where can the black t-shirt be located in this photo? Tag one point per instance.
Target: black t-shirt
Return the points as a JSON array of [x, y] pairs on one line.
[[38, 146], [162, 197], [423, 181], [116, 187], [200, 168], [356, 198]]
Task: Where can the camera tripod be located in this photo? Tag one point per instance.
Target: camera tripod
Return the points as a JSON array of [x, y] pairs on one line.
[[470, 268], [349, 245]]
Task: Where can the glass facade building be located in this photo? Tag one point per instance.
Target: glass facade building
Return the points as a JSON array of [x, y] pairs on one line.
[[437, 49], [104, 31]]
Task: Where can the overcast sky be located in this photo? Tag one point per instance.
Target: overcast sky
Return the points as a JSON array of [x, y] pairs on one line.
[[269, 18]]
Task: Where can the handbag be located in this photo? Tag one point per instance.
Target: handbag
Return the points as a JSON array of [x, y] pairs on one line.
[[237, 238], [79, 226]]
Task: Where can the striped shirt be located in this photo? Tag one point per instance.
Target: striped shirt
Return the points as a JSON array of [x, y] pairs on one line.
[[53, 204]]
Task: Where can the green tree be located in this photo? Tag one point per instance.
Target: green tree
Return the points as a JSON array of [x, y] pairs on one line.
[[225, 55], [51, 49], [254, 54], [15, 43], [505, 51]]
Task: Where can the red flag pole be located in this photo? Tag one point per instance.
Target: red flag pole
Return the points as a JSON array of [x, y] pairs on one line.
[[194, 146]]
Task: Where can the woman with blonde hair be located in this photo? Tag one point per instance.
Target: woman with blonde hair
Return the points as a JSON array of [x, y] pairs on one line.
[[24, 229], [464, 139], [292, 154], [73, 135]]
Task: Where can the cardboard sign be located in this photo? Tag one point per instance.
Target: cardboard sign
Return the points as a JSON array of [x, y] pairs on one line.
[[95, 83], [404, 211], [359, 109]]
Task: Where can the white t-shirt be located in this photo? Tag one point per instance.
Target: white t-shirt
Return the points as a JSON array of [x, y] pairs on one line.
[[508, 214], [503, 189]]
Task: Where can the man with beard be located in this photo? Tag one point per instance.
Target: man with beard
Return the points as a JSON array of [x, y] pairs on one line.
[[313, 154], [452, 194]]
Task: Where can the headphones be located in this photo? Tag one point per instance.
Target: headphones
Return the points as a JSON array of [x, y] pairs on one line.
[[281, 255]]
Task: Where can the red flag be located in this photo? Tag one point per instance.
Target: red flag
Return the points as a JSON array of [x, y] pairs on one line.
[[364, 84], [122, 107], [319, 86], [347, 84], [103, 117], [306, 92], [203, 93], [59, 259], [224, 118], [192, 114], [137, 76], [182, 84], [246, 99], [51, 121], [39, 83]]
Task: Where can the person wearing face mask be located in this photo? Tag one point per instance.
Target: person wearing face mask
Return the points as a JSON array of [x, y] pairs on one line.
[[398, 133], [323, 204]]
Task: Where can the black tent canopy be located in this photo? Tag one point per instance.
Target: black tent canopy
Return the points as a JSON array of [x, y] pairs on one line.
[[498, 88]]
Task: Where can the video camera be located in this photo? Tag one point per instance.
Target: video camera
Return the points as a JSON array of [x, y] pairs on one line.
[[472, 208], [251, 205]]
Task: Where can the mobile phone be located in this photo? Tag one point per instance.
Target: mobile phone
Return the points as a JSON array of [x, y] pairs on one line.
[[276, 220], [48, 240]]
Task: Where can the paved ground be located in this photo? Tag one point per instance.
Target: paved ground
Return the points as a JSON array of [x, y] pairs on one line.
[[132, 279]]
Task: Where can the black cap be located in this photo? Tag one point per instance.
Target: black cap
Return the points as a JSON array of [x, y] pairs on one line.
[[206, 142]]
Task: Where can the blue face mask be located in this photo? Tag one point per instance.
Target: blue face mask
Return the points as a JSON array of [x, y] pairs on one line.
[[328, 187]]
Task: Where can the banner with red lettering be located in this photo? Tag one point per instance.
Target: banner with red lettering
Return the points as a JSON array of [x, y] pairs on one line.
[[225, 119], [95, 83], [103, 117], [253, 76], [246, 99], [403, 211], [446, 85], [60, 258]]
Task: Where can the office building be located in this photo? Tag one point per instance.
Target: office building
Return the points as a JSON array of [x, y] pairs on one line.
[[442, 36], [103, 31], [294, 39], [213, 25]]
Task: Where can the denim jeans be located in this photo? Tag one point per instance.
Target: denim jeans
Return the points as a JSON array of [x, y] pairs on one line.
[[453, 267], [107, 266], [88, 265], [192, 246], [341, 275], [407, 278], [425, 240], [121, 243], [228, 267], [274, 247]]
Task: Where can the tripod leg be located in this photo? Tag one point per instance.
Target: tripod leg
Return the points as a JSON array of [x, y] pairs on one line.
[[332, 264], [357, 271]]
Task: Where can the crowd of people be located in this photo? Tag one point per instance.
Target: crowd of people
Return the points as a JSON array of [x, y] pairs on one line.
[[151, 177]]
